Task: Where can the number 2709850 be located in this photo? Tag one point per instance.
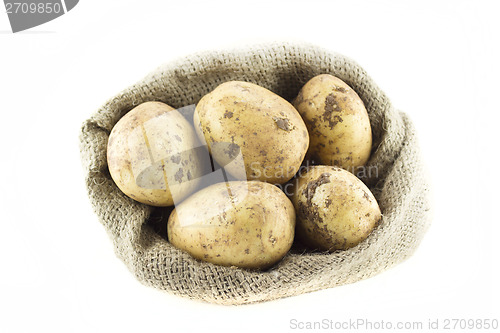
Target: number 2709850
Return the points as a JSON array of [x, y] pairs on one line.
[[477, 324], [32, 8]]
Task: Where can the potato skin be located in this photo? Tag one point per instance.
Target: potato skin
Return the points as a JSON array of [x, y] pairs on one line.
[[337, 121], [244, 224], [150, 156], [335, 210], [269, 132]]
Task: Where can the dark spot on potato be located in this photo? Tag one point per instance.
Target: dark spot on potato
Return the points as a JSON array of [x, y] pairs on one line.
[[208, 129], [312, 124], [232, 150], [313, 185], [247, 251], [331, 105], [283, 123], [228, 114], [176, 158], [178, 138], [366, 196], [328, 202], [310, 213], [340, 89], [178, 175], [263, 153]]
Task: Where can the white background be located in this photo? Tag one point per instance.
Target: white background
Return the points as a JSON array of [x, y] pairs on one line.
[[437, 61]]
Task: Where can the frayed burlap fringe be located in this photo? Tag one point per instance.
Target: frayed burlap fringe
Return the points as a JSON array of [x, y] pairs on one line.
[[400, 184]]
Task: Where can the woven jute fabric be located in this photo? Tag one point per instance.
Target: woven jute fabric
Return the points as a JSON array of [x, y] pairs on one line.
[[399, 183]]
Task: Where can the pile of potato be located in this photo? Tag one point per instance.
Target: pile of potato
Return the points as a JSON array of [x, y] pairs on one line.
[[249, 172]]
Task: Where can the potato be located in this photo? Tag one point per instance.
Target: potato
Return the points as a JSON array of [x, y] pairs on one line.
[[337, 122], [244, 224], [152, 155], [241, 117], [335, 210]]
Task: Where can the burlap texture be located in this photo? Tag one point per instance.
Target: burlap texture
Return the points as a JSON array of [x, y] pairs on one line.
[[400, 187]]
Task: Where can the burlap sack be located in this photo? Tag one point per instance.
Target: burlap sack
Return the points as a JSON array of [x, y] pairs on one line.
[[400, 185]]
